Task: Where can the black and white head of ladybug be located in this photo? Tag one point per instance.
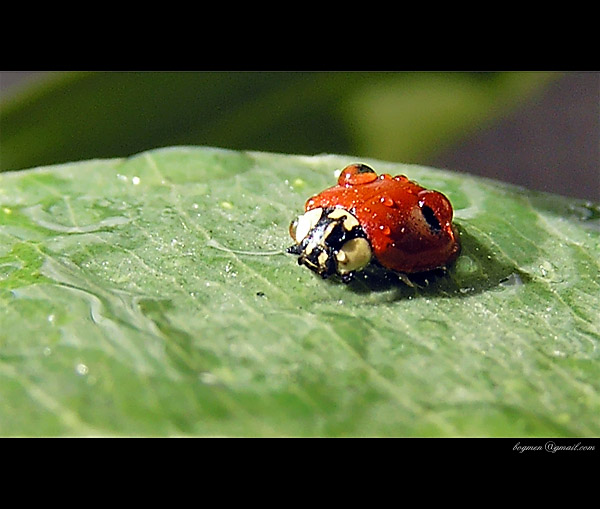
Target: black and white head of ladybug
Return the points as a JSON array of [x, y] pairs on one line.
[[330, 241]]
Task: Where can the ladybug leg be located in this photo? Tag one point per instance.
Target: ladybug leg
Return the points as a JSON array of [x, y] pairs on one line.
[[405, 279]]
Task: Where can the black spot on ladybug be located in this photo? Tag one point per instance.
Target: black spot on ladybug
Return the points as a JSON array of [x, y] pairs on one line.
[[432, 221]]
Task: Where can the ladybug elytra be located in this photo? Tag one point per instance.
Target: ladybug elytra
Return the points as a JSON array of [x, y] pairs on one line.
[[374, 218]]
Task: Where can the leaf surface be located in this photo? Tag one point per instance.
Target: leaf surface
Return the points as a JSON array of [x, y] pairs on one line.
[[152, 296]]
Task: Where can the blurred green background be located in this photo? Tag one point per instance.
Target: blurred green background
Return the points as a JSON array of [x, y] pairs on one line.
[[537, 129]]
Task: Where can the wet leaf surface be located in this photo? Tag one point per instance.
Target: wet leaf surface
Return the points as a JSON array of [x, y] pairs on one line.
[[152, 296]]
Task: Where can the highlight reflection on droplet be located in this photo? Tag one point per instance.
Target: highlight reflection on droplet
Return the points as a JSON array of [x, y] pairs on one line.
[[81, 369]]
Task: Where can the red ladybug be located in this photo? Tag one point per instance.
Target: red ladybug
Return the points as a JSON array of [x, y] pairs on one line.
[[365, 217]]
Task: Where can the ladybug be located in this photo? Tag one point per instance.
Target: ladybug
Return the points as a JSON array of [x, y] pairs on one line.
[[365, 218]]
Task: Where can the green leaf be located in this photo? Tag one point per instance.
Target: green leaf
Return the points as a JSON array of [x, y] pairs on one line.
[[152, 296]]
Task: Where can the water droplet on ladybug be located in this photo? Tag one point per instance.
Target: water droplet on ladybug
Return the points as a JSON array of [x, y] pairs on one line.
[[356, 174], [359, 179], [385, 229], [387, 201]]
